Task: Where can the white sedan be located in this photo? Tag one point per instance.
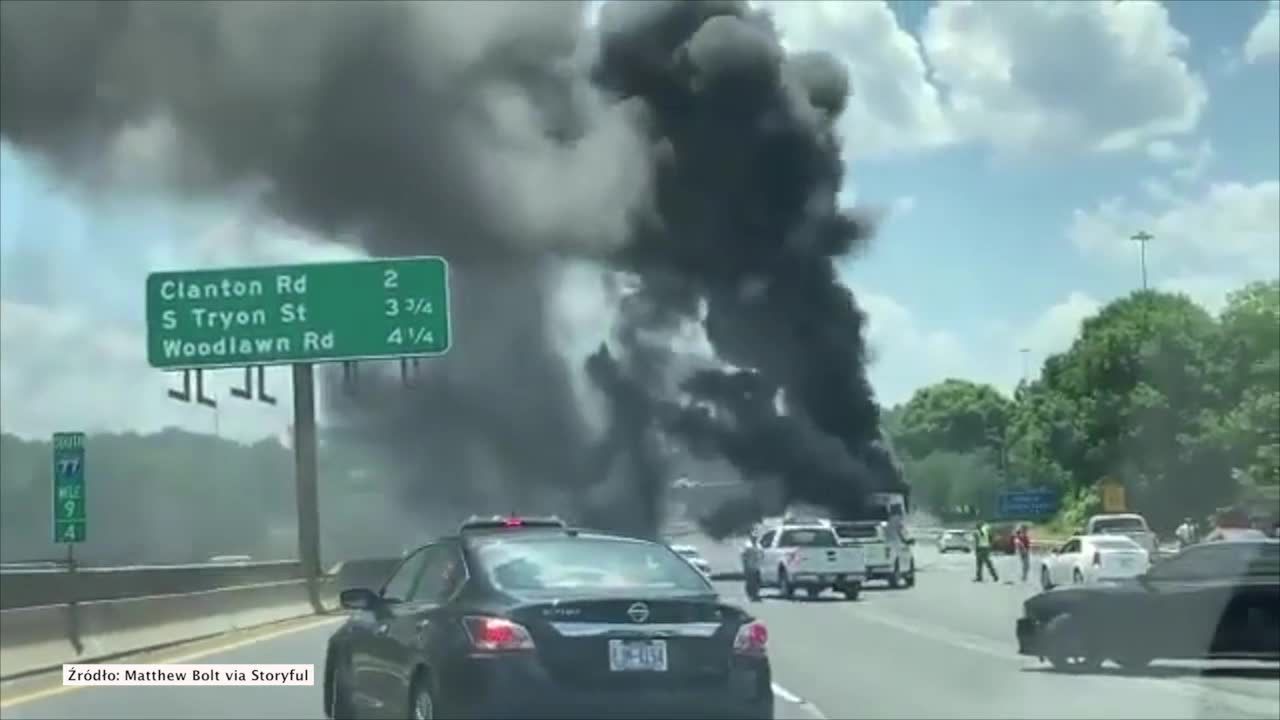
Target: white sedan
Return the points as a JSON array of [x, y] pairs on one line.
[[954, 540], [1093, 558], [693, 557]]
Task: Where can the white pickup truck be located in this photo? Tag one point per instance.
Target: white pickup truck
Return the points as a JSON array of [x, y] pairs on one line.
[[1128, 524], [887, 550], [804, 556]]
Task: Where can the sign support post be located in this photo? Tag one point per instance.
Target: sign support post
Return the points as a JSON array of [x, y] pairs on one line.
[[304, 453]]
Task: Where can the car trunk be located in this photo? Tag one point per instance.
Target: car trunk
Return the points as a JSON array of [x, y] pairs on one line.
[[577, 640], [1122, 562]]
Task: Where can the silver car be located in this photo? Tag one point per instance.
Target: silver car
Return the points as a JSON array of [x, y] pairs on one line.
[[954, 540]]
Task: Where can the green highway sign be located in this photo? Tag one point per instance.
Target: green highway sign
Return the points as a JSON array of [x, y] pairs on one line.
[[363, 310], [69, 517]]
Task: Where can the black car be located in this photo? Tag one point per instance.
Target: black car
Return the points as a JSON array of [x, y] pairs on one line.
[[1212, 601], [532, 619]]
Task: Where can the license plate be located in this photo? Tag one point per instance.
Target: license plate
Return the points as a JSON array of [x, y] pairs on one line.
[[638, 655]]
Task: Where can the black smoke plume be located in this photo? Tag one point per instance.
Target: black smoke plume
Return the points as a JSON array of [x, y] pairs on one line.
[[676, 142]]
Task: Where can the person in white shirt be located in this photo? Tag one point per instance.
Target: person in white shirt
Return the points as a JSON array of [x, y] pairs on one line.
[[1186, 533]]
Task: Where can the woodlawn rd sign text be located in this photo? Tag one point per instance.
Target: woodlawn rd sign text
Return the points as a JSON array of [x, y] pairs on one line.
[[364, 310]]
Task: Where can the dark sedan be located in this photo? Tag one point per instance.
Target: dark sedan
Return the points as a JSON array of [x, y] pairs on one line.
[[1212, 601], [538, 620]]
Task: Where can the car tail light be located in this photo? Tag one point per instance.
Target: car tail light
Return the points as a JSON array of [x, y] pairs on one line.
[[1097, 558], [492, 634], [752, 639], [793, 557]]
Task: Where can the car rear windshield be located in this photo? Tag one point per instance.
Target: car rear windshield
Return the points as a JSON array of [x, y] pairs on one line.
[[856, 532], [1119, 525], [584, 564], [808, 538]]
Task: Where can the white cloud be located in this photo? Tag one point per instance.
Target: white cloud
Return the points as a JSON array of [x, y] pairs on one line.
[[1263, 43], [1204, 245], [894, 107], [1058, 326], [64, 369], [1228, 222], [1063, 75], [1208, 290], [1191, 161], [906, 354]]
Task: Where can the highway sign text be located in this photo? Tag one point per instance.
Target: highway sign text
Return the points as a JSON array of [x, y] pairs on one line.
[[371, 309], [69, 516], [1027, 504]]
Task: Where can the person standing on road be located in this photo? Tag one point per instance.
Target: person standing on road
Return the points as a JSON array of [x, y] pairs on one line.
[[1186, 533], [982, 552], [1022, 545]]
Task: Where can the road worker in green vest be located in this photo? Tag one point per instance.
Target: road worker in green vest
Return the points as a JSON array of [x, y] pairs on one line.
[[982, 552]]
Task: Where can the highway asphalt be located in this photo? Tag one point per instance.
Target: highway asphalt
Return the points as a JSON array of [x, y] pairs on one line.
[[944, 649]]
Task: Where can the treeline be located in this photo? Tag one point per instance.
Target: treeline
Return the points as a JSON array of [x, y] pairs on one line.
[[178, 497], [1181, 407]]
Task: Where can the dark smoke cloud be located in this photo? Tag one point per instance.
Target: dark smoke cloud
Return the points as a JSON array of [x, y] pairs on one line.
[[680, 144]]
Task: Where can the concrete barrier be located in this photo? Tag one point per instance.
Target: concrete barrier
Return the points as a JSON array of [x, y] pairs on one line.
[[39, 638]]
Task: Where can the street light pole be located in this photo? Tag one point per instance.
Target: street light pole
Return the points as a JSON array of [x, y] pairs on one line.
[[1142, 238]]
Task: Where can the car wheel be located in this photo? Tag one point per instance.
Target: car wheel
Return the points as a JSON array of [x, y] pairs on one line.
[[1076, 577], [812, 592], [340, 707], [851, 592], [422, 705], [895, 579], [1045, 582], [784, 584], [1067, 648]]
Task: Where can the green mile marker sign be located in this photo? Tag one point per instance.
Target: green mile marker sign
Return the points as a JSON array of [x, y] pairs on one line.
[[69, 517], [363, 310]]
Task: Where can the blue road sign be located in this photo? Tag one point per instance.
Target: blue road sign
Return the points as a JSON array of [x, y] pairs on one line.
[[1027, 504]]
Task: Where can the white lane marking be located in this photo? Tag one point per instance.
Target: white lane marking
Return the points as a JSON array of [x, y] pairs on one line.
[[786, 694], [798, 701]]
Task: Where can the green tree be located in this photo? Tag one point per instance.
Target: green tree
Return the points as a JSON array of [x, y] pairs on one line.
[[954, 415], [944, 481]]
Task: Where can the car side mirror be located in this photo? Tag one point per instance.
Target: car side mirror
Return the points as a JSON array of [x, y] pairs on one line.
[[359, 599]]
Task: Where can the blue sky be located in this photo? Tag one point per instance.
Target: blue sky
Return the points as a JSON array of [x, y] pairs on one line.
[[1014, 147]]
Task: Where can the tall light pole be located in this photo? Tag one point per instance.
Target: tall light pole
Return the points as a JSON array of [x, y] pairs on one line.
[[1142, 238]]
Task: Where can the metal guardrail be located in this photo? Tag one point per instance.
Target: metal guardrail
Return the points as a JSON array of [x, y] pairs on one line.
[[33, 587]]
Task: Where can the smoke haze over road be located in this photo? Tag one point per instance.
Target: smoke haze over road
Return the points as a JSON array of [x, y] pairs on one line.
[[674, 143]]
